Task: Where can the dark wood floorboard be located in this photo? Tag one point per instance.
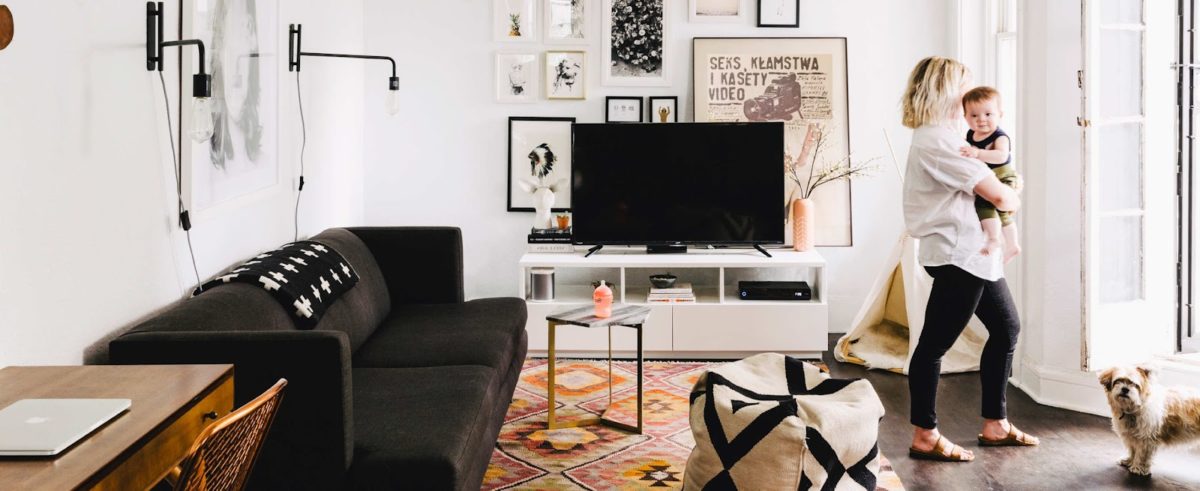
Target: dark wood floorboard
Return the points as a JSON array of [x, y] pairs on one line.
[[1078, 451]]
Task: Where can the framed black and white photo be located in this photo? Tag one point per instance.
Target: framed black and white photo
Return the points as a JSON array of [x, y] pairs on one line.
[[566, 21], [539, 156], [517, 77], [566, 75], [515, 20], [664, 109], [715, 11], [778, 13], [632, 50], [618, 109]]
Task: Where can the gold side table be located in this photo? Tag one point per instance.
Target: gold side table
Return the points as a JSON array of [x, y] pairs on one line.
[[632, 316]]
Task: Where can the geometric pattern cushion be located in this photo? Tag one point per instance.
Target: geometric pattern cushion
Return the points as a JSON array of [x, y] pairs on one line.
[[773, 422]]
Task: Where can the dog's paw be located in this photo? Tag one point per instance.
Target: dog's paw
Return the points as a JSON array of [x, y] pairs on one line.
[[1139, 469], [1124, 462]]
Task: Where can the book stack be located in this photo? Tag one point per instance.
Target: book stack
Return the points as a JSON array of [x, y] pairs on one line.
[[680, 293], [550, 240]]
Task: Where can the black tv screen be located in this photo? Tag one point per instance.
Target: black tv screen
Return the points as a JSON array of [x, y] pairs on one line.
[[677, 183]]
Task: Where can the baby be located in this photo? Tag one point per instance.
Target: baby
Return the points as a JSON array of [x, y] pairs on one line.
[[989, 143]]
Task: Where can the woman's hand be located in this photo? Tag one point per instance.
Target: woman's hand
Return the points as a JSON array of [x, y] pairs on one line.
[[969, 151]]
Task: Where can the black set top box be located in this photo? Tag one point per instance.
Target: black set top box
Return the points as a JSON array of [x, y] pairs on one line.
[[774, 290]]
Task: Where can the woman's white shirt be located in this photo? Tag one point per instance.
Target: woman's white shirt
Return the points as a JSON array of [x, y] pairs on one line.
[[939, 203]]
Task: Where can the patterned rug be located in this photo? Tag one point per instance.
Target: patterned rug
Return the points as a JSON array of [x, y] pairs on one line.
[[528, 456]]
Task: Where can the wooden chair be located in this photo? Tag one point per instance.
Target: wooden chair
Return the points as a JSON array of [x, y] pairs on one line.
[[224, 453]]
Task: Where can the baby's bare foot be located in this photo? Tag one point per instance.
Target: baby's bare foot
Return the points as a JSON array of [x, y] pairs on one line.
[[1011, 251]]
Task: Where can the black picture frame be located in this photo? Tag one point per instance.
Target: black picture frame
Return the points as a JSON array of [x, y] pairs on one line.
[[793, 24], [566, 169], [608, 108], [674, 108]]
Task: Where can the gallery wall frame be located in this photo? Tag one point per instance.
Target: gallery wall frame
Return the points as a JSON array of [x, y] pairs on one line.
[[539, 152]]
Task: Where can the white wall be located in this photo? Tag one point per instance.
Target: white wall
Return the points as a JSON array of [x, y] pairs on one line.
[[88, 235], [442, 160]]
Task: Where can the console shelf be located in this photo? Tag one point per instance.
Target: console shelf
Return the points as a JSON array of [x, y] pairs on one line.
[[719, 325]]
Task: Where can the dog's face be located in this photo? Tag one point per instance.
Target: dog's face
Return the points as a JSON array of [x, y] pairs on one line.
[[1127, 387]]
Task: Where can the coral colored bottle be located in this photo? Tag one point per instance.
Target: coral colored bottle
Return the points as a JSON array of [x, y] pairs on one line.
[[603, 296]]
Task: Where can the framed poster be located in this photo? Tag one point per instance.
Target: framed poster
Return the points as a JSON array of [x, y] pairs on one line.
[[799, 81], [566, 75], [632, 50], [517, 77], [778, 13], [621, 109], [566, 21], [515, 20], [539, 155], [715, 11], [664, 109]]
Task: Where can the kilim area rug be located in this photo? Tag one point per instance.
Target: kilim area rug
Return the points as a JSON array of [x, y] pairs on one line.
[[528, 456]]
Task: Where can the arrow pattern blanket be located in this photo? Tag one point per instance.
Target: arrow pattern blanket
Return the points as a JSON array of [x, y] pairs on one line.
[[305, 277]]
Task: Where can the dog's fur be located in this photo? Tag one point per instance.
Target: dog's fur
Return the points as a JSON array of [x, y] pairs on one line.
[[1147, 415]]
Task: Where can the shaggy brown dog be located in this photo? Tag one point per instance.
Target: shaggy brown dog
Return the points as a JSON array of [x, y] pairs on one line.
[[1147, 415]]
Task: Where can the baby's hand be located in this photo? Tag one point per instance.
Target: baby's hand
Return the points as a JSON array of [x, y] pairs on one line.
[[969, 151]]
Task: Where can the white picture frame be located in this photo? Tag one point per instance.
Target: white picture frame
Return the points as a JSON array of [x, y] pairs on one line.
[[518, 77], [716, 11], [566, 75], [523, 28], [567, 22], [614, 69]]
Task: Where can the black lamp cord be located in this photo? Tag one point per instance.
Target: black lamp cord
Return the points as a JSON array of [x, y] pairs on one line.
[[185, 222], [303, 143]]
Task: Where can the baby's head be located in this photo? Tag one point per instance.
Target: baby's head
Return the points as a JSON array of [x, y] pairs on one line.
[[981, 108]]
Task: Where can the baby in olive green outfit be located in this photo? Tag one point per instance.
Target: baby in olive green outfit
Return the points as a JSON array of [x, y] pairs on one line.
[[989, 143]]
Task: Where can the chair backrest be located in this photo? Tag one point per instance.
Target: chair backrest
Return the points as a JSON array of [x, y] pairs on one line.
[[224, 453]]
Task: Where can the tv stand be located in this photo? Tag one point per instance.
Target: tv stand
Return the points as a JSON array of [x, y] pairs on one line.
[[666, 249]]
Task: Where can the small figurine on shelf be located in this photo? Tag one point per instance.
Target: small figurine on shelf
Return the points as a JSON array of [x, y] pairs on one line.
[[564, 220], [603, 296]]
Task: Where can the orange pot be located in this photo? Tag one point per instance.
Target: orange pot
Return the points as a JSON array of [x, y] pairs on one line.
[[803, 223]]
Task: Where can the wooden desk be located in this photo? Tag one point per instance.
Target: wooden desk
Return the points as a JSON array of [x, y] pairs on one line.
[[170, 405]]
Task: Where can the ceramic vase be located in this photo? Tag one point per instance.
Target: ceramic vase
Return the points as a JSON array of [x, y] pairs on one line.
[[802, 224]]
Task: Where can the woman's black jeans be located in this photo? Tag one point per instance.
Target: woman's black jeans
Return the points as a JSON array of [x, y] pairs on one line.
[[956, 295]]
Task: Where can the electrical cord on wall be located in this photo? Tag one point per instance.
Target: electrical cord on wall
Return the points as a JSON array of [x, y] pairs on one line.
[[185, 222], [303, 143]]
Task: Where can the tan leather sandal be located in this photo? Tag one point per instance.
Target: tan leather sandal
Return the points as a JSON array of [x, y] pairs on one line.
[[1015, 438], [943, 451]]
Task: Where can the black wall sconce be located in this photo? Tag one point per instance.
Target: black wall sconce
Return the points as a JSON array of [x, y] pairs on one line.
[[294, 54], [202, 121]]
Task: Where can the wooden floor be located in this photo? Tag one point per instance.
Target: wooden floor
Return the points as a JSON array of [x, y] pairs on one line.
[[1078, 451]]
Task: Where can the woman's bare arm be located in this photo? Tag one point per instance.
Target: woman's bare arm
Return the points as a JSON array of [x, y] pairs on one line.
[[998, 194]]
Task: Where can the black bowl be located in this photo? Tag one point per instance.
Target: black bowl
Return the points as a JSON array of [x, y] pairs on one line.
[[663, 280]]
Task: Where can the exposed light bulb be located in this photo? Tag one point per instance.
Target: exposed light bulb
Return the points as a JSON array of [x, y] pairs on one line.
[[393, 102], [202, 119]]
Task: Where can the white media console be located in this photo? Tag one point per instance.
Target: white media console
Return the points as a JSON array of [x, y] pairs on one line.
[[718, 326]]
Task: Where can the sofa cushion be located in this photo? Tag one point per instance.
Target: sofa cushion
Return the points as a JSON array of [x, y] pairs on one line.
[[419, 428], [359, 311], [478, 332], [231, 307]]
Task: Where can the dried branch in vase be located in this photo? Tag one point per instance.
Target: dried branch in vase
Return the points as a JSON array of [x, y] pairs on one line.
[[820, 172]]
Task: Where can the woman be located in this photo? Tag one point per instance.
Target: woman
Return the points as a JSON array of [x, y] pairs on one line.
[[939, 209]]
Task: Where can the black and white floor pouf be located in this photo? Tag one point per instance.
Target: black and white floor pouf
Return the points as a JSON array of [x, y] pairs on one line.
[[772, 422]]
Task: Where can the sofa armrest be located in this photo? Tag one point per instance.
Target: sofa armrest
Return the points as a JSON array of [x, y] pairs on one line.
[[311, 442], [420, 265]]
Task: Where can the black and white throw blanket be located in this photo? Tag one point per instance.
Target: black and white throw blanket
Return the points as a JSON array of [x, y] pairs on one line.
[[306, 277]]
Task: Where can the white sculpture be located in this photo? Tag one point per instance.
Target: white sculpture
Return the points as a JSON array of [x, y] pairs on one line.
[[542, 185]]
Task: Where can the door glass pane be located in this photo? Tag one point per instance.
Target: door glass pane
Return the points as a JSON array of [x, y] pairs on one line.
[[1006, 83], [1120, 161], [1120, 73], [1121, 11], [1120, 259]]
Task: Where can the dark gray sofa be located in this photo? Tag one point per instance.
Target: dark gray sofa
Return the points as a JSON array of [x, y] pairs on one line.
[[402, 384]]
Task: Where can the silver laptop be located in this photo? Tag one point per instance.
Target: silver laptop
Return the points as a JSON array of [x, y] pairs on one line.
[[41, 427]]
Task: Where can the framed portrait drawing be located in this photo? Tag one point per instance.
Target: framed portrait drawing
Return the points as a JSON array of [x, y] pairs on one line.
[[515, 20], [715, 11], [567, 21], [778, 13], [632, 50], [566, 75], [619, 109], [539, 155], [664, 109], [799, 81], [517, 77]]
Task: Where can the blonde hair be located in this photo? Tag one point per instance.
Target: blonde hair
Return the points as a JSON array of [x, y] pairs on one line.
[[933, 91], [982, 93]]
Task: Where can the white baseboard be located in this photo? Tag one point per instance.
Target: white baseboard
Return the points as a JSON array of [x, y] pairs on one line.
[[1062, 388]]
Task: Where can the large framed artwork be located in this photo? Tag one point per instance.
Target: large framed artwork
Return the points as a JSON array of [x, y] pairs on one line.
[[632, 50], [539, 156], [799, 81], [241, 37]]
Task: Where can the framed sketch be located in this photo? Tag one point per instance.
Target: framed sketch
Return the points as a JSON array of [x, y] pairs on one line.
[[566, 75], [664, 109], [799, 81], [517, 77], [618, 109], [242, 157], [632, 50], [515, 20], [539, 155], [778, 13], [566, 21], [715, 11]]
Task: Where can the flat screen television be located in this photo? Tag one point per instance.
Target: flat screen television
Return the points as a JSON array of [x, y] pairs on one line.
[[677, 184]]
